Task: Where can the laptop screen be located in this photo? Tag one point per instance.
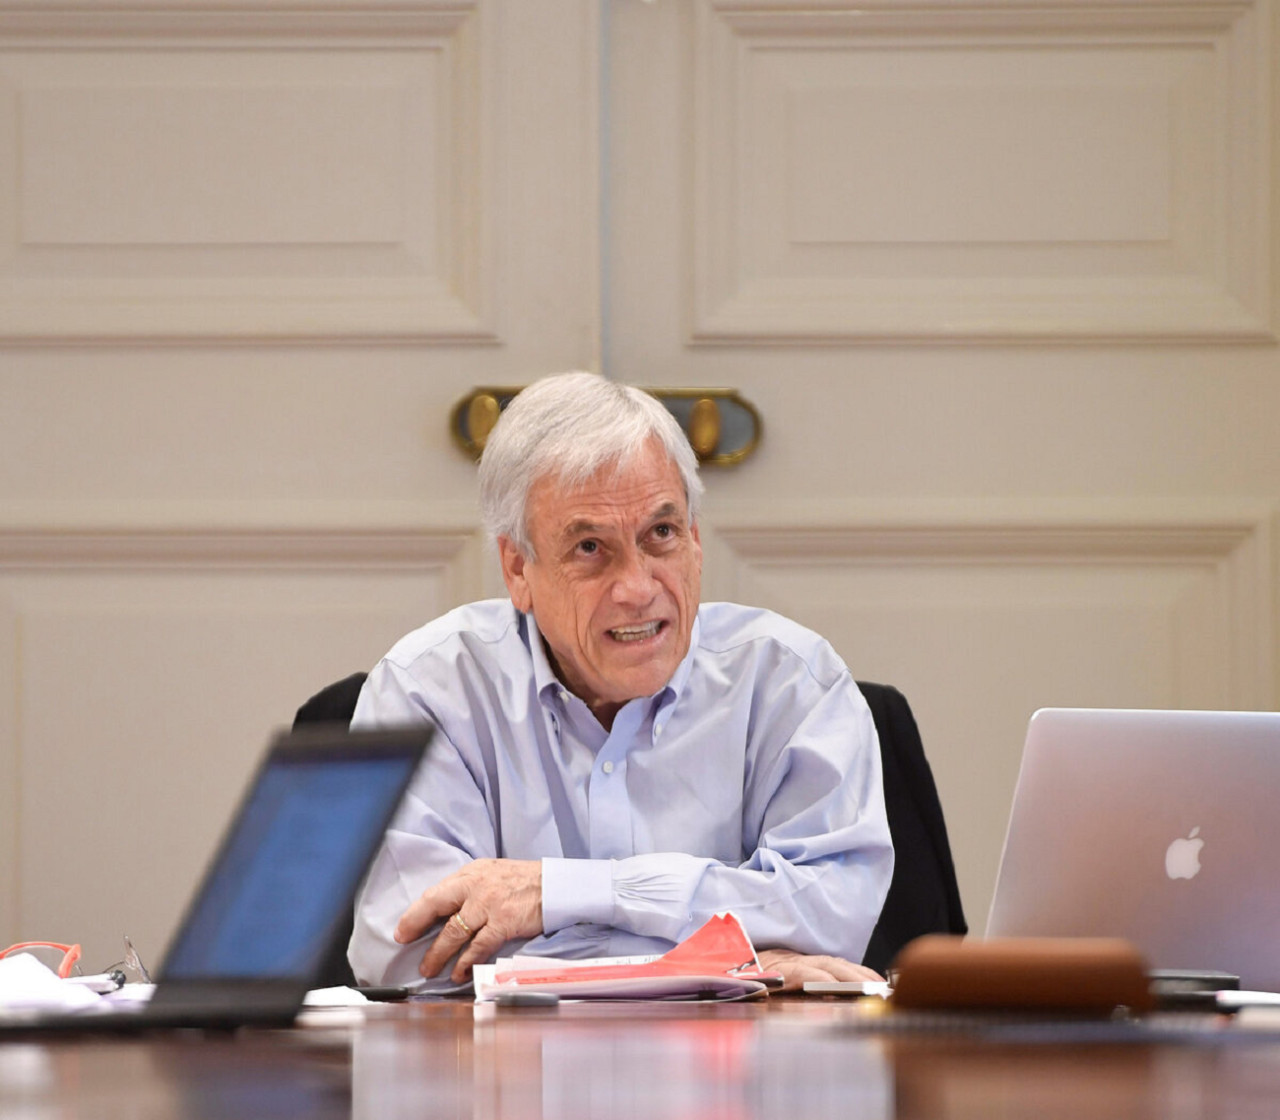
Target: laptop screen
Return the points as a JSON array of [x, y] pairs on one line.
[[289, 865]]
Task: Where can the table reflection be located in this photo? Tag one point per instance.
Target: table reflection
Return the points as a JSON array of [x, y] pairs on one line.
[[620, 1063], [188, 1074], [747, 1063], [741, 1062]]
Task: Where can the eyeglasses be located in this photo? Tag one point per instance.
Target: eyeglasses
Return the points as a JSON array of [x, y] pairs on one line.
[[70, 953], [131, 965]]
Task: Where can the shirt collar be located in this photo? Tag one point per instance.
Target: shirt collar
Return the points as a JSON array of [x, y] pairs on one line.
[[544, 677], [675, 686]]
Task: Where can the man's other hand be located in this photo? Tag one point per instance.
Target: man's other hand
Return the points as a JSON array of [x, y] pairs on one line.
[[797, 968], [486, 904]]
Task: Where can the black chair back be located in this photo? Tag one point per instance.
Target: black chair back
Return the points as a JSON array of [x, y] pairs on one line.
[[923, 896], [335, 703]]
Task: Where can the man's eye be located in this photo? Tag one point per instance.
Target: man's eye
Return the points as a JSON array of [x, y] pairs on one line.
[[588, 548], [664, 531]]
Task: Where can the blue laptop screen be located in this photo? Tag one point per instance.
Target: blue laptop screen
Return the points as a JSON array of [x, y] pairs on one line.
[[287, 870]]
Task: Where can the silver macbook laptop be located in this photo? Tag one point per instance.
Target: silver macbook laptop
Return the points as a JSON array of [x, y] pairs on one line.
[[1159, 827], [277, 895]]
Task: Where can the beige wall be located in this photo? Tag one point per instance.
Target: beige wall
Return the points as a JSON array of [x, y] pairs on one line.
[[998, 278]]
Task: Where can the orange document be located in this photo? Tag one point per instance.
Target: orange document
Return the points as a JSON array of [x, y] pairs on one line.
[[716, 962]]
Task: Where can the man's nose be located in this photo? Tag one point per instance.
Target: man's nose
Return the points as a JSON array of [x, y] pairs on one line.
[[635, 584]]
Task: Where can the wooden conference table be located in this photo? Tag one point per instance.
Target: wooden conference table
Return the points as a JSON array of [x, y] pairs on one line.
[[789, 1058]]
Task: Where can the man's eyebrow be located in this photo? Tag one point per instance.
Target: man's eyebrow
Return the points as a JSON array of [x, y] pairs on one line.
[[580, 528]]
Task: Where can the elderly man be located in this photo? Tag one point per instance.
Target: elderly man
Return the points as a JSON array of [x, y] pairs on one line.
[[615, 763]]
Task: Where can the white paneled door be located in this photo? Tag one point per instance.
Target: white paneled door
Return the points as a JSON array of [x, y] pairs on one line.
[[250, 257], [996, 275]]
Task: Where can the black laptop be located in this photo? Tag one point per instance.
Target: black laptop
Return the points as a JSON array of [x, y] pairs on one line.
[[278, 894]]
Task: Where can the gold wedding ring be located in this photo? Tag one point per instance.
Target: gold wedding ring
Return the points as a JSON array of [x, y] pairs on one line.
[[457, 917]]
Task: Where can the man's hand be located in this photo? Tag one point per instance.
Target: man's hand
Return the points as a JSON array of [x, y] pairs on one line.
[[797, 968], [487, 903]]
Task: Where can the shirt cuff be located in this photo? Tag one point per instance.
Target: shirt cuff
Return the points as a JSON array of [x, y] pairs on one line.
[[576, 890]]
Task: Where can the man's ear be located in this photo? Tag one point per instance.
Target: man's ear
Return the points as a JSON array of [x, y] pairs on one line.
[[513, 564]]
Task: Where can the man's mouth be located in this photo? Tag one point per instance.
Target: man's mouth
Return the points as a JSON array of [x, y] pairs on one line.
[[635, 633]]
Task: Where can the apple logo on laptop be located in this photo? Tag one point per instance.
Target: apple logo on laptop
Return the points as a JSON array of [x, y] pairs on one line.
[[1182, 859]]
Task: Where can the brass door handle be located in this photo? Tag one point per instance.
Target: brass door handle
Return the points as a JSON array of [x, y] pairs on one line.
[[722, 427]]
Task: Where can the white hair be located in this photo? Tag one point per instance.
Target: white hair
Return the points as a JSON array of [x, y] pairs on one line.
[[570, 427]]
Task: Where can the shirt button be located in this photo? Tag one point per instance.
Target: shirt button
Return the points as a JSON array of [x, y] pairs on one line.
[[564, 697], [607, 767], [657, 730]]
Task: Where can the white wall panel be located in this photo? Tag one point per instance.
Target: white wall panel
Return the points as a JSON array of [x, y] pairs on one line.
[[175, 163], [1062, 170], [147, 670], [262, 173], [982, 619]]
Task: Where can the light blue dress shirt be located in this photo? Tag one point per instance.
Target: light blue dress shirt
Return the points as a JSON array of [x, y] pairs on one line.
[[750, 783]]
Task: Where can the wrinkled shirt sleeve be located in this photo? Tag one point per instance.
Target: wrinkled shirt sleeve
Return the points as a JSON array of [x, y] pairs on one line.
[[424, 844]]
